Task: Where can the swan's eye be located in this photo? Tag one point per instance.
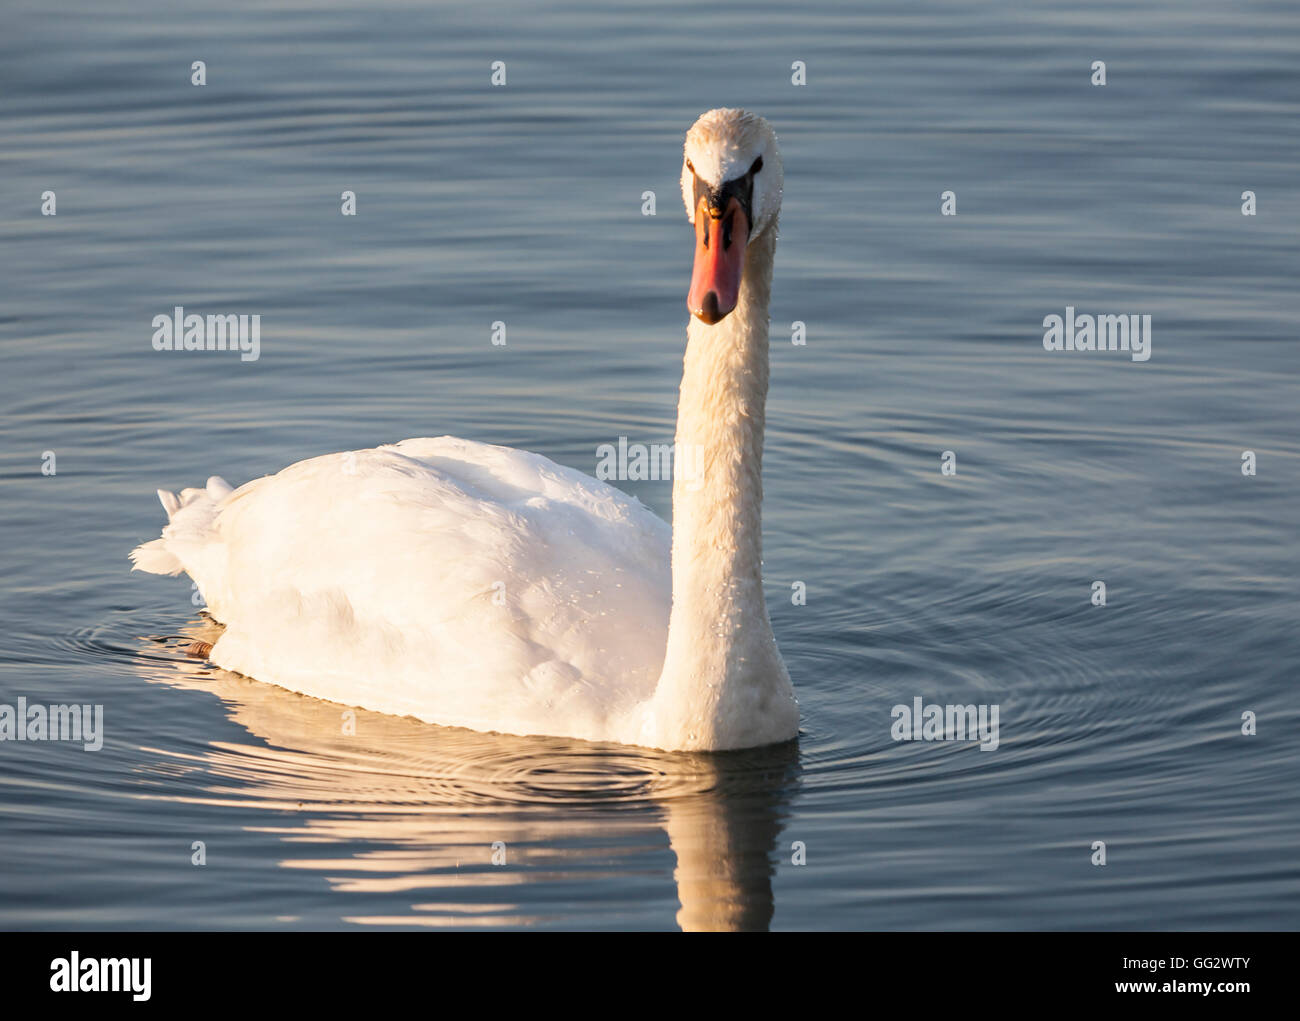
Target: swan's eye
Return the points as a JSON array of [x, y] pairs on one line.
[[690, 166], [758, 165]]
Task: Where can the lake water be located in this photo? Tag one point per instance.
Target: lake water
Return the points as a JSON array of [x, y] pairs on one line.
[[523, 204]]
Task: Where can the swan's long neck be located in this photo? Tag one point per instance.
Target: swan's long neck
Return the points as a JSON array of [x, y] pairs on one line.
[[723, 683]]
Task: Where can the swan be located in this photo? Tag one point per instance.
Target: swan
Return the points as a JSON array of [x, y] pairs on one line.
[[473, 585]]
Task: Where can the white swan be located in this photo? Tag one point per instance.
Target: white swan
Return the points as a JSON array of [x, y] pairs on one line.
[[478, 586]]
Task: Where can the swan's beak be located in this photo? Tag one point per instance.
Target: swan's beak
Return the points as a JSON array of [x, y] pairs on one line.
[[720, 239]]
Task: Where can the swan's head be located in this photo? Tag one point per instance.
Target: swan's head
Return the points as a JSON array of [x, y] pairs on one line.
[[731, 184]]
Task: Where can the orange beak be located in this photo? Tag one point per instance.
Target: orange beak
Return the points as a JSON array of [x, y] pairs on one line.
[[720, 239]]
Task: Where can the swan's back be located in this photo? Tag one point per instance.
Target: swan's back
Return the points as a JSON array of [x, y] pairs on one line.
[[458, 582]]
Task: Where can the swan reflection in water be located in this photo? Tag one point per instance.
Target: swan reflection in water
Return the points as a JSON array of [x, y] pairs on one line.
[[389, 806]]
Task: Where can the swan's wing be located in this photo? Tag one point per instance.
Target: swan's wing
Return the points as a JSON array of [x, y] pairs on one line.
[[458, 582]]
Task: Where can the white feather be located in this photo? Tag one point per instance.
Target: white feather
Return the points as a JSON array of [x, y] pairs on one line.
[[460, 583]]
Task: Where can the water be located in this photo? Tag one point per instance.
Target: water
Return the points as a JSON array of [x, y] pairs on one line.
[[523, 204]]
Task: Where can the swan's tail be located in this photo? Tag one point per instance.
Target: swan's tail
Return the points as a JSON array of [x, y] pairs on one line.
[[188, 538]]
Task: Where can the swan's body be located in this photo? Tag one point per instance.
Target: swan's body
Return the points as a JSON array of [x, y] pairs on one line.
[[461, 583], [478, 586]]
